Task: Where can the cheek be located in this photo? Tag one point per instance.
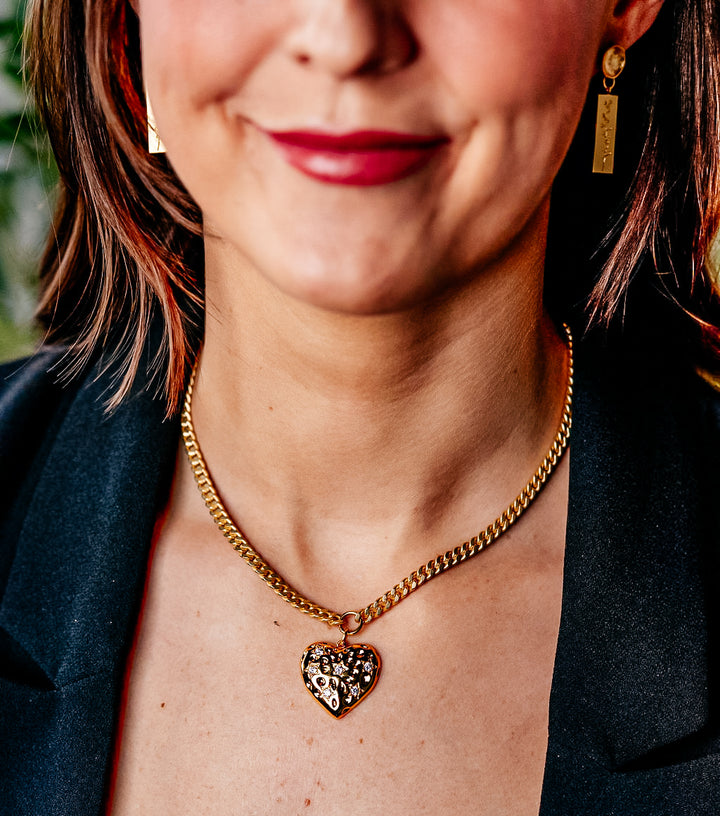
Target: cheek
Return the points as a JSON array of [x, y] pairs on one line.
[[497, 54], [199, 50], [520, 71]]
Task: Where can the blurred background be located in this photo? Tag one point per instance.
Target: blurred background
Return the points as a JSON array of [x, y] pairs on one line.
[[27, 178]]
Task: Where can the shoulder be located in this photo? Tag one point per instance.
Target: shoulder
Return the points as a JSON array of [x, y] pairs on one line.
[[63, 452], [30, 395], [651, 386], [32, 402], [645, 463], [50, 398]]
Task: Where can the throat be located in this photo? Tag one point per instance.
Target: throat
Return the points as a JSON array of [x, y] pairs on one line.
[[332, 549], [381, 463]]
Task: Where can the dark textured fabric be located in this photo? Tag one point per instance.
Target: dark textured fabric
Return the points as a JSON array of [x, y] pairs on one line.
[[633, 713], [633, 720], [75, 556]]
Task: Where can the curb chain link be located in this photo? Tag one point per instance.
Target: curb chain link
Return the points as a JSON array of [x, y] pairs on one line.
[[418, 577]]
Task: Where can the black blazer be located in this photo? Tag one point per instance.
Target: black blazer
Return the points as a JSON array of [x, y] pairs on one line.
[[634, 724]]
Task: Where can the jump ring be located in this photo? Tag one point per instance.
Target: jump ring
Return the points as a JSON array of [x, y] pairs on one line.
[[358, 620]]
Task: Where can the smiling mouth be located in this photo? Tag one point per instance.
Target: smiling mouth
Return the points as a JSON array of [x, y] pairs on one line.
[[361, 159]]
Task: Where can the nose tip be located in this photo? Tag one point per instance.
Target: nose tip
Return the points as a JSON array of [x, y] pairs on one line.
[[352, 37]]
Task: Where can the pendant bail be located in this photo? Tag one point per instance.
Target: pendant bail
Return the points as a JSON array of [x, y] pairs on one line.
[[345, 631]]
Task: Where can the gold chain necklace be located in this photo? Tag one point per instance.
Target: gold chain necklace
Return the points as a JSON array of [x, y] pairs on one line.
[[341, 675]]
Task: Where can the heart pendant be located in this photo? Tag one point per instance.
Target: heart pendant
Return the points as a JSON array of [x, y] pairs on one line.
[[340, 676]]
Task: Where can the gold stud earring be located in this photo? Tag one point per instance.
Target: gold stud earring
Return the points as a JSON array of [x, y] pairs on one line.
[[606, 124], [155, 144]]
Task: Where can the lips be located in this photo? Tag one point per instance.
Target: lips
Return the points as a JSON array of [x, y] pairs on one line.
[[362, 159]]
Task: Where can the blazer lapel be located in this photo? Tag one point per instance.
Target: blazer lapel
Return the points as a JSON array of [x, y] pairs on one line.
[[74, 590], [630, 675], [631, 666]]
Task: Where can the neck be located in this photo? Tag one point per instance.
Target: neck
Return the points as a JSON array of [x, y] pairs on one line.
[[376, 430]]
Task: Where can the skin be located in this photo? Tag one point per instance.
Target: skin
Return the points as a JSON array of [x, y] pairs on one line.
[[368, 251], [378, 381]]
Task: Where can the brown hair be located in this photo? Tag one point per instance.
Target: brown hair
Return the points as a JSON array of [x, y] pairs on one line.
[[644, 236], [126, 242]]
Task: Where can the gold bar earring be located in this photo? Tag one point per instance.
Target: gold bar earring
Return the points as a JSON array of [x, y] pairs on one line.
[[606, 125], [155, 144]]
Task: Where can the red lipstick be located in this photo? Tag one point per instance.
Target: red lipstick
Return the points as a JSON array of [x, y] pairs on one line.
[[361, 159]]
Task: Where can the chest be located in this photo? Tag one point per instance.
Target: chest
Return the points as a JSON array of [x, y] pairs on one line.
[[218, 719]]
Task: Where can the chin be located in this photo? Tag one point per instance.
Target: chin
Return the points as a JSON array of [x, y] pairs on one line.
[[355, 300], [362, 291]]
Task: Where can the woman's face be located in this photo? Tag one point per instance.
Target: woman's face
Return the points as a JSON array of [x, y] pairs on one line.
[[363, 155]]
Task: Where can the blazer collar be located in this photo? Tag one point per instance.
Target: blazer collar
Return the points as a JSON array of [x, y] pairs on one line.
[[631, 665], [630, 672], [77, 578]]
